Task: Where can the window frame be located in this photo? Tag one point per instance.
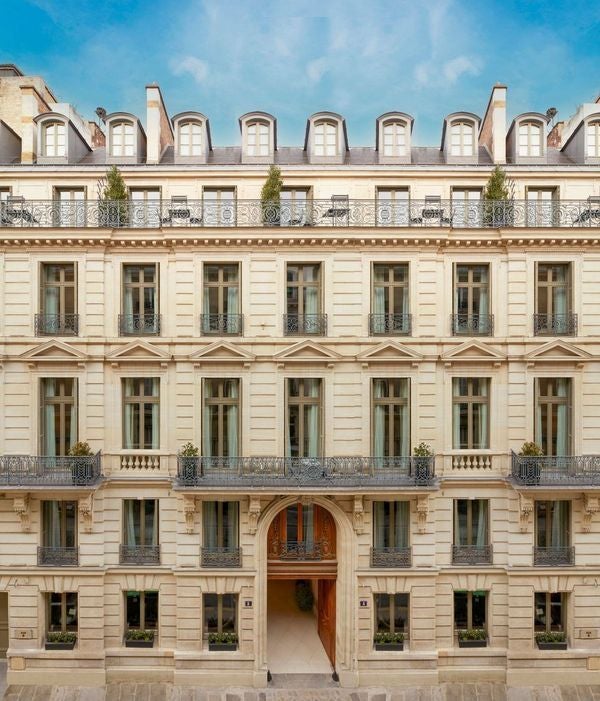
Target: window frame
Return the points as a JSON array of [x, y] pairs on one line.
[[236, 612], [392, 400], [471, 399], [395, 514], [469, 537], [221, 527], [301, 284], [324, 150], [191, 125], [141, 285], [221, 284], [470, 594], [60, 400], [301, 401], [551, 400], [141, 515], [119, 147], [549, 285], [547, 605], [142, 605], [64, 603], [548, 505], [55, 127], [462, 125], [258, 128], [62, 286], [393, 602], [65, 536], [221, 401], [390, 285], [593, 125], [470, 286], [524, 150], [399, 146], [140, 400]]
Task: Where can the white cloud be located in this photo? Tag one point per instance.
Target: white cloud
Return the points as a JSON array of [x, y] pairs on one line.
[[316, 69], [197, 68], [453, 69]]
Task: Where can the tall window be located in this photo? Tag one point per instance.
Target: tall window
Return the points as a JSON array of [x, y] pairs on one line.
[[61, 612], [470, 609], [294, 210], [542, 206], [530, 139], [58, 303], [122, 139], [390, 299], [140, 300], [325, 139], [219, 206], [394, 139], [471, 301], [470, 413], [553, 299], [221, 307], [471, 532], [303, 299], [59, 524], [145, 208], [55, 140], [550, 611], [190, 139], [140, 522], [220, 613], [300, 524], [71, 211], [553, 524], [593, 139], [391, 527], [466, 207], [141, 610], [221, 424], [59, 415], [392, 207], [391, 418], [461, 139], [391, 613], [258, 139], [220, 522], [303, 438], [553, 415], [141, 413]]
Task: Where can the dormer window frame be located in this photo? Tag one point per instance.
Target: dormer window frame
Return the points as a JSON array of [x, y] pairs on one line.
[[397, 147], [520, 149], [114, 125], [388, 124], [323, 123], [256, 129], [462, 125], [528, 124], [461, 121], [191, 124], [592, 124], [259, 137], [55, 127]]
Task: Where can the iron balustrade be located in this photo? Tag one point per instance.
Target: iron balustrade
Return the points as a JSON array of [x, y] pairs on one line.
[[555, 324], [305, 324], [139, 324], [300, 550], [139, 554], [472, 324], [554, 556], [57, 557], [221, 324], [471, 554], [221, 557], [555, 470], [56, 324], [161, 214], [391, 557], [50, 471], [390, 324], [309, 472]]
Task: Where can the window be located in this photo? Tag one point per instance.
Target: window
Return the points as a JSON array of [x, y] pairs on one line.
[[294, 207], [553, 533], [221, 425], [55, 140], [593, 139], [190, 139], [122, 139], [466, 207], [58, 303], [553, 300], [391, 524], [471, 301], [553, 415], [220, 521], [59, 415], [145, 209], [141, 412], [220, 613], [221, 307], [470, 609], [471, 532], [391, 613], [325, 139], [530, 139], [140, 531], [392, 207], [390, 299], [59, 524], [542, 207], [470, 413], [394, 139], [391, 418], [550, 611], [461, 139], [71, 207], [61, 612], [141, 610], [257, 139], [302, 532], [140, 301], [303, 300], [219, 207], [303, 439]]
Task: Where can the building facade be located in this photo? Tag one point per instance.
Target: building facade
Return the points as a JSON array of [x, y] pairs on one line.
[[304, 348]]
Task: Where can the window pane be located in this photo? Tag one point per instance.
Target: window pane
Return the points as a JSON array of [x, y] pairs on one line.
[[460, 609], [133, 609], [151, 610]]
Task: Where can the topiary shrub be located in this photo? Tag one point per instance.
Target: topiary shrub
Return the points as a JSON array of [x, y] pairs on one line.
[[304, 595]]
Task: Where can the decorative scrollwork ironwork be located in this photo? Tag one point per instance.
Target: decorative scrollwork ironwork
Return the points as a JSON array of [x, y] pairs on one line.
[[472, 324], [554, 556], [555, 324], [221, 324], [391, 557], [305, 324], [390, 324], [300, 550], [64, 471], [56, 324], [471, 554], [221, 557], [58, 557], [139, 554], [548, 470], [139, 324]]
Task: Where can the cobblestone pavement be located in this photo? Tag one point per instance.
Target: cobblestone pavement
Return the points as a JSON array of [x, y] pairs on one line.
[[169, 692]]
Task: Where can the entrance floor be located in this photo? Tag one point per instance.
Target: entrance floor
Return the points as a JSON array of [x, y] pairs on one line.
[[293, 643]]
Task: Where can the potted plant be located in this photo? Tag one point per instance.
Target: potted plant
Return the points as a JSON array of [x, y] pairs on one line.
[[422, 455], [529, 470], [139, 638], [389, 641], [223, 642], [64, 640], [188, 461], [498, 197], [551, 640], [472, 637], [304, 595], [112, 193], [270, 197], [81, 471]]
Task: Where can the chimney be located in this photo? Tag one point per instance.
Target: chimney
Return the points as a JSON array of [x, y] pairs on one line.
[[554, 138], [492, 133], [97, 135], [32, 104], [159, 132]]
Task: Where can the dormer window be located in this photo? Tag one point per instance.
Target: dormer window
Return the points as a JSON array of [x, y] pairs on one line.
[[190, 139], [530, 139], [122, 139], [461, 139], [325, 139], [394, 139], [592, 137], [257, 139], [55, 139]]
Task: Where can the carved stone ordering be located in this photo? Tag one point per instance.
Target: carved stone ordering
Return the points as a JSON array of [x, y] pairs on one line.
[[359, 514], [525, 509], [591, 505], [86, 511], [253, 514], [422, 511], [21, 507], [189, 511]]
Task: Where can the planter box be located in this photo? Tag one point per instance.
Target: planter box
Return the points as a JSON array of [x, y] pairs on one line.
[[392, 647], [59, 646], [472, 643], [222, 647], [552, 646], [139, 643]]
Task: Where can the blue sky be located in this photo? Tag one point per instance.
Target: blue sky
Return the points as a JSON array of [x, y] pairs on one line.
[[292, 58]]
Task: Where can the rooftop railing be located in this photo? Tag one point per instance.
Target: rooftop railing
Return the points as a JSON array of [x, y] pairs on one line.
[[556, 470], [311, 213], [50, 471]]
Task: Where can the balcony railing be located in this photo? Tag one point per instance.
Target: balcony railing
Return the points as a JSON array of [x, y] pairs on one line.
[[554, 556], [305, 324], [139, 554], [556, 470], [56, 324], [308, 472], [221, 324], [472, 324], [50, 471], [139, 324], [391, 557], [314, 213], [221, 557], [555, 324], [299, 550], [58, 557], [390, 324], [471, 554]]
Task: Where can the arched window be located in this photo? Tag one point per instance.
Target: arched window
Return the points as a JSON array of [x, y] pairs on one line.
[[461, 139], [122, 139], [593, 139], [394, 139], [55, 139], [325, 140], [190, 139], [258, 139], [530, 139]]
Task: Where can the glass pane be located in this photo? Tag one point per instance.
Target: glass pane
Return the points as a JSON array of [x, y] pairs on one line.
[[461, 620], [229, 605], [54, 612], [400, 612], [71, 611], [151, 610], [478, 610], [211, 613], [539, 611], [132, 609], [382, 613]]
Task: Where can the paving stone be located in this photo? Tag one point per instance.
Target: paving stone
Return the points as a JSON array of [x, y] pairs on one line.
[[498, 692], [437, 694], [518, 693], [378, 696], [469, 692], [570, 693], [453, 692]]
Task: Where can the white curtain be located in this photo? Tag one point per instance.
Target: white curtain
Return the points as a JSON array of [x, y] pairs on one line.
[[73, 422], [130, 522], [401, 524], [308, 524], [311, 419], [154, 528], [51, 300], [562, 423], [311, 300], [559, 301], [49, 419], [379, 309], [155, 415], [483, 418], [483, 296], [232, 420], [538, 418], [379, 516], [379, 420], [231, 527], [559, 525], [404, 419], [480, 524], [52, 524], [232, 308], [207, 423], [456, 407], [209, 518]]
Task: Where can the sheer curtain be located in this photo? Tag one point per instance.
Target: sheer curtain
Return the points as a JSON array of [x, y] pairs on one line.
[[232, 420], [308, 524], [379, 420], [456, 407], [207, 423], [559, 300], [51, 300], [130, 519], [379, 516], [130, 416], [401, 524], [312, 419], [404, 420], [231, 525], [155, 415], [559, 525], [209, 517], [73, 422], [49, 419], [379, 309], [232, 309], [480, 507], [483, 295], [152, 522], [482, 418], [311, 300], [51, 524], [562, 418], [460, 522]]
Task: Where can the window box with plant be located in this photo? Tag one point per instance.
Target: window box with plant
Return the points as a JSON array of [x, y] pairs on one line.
[[472, 637], [530, 463], [551, 640], [139, 638], [188, 462], [389, 641], [64, 640], [81, 465], [422, 462], [222, 642]]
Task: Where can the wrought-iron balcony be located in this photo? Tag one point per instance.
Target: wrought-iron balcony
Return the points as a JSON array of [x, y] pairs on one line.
[[165, 214], [472, 324], [391, 557], [56, 324], [305, 324], [555, 470], [471, 554], [49, 556], [139, 554], [390, 324], [139, 324], [221, 324], [555, 324], [221, 557], [301, 551], [554, 556], [341, 472], [50, 471]]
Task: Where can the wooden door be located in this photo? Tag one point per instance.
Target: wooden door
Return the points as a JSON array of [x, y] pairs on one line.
[[3, 623], [326, 620]]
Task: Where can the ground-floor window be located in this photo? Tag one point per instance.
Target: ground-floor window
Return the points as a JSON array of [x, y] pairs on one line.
[[220, 613], [391, 613], [141, 610], [470, 609], [550, 611], [61, 611]]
